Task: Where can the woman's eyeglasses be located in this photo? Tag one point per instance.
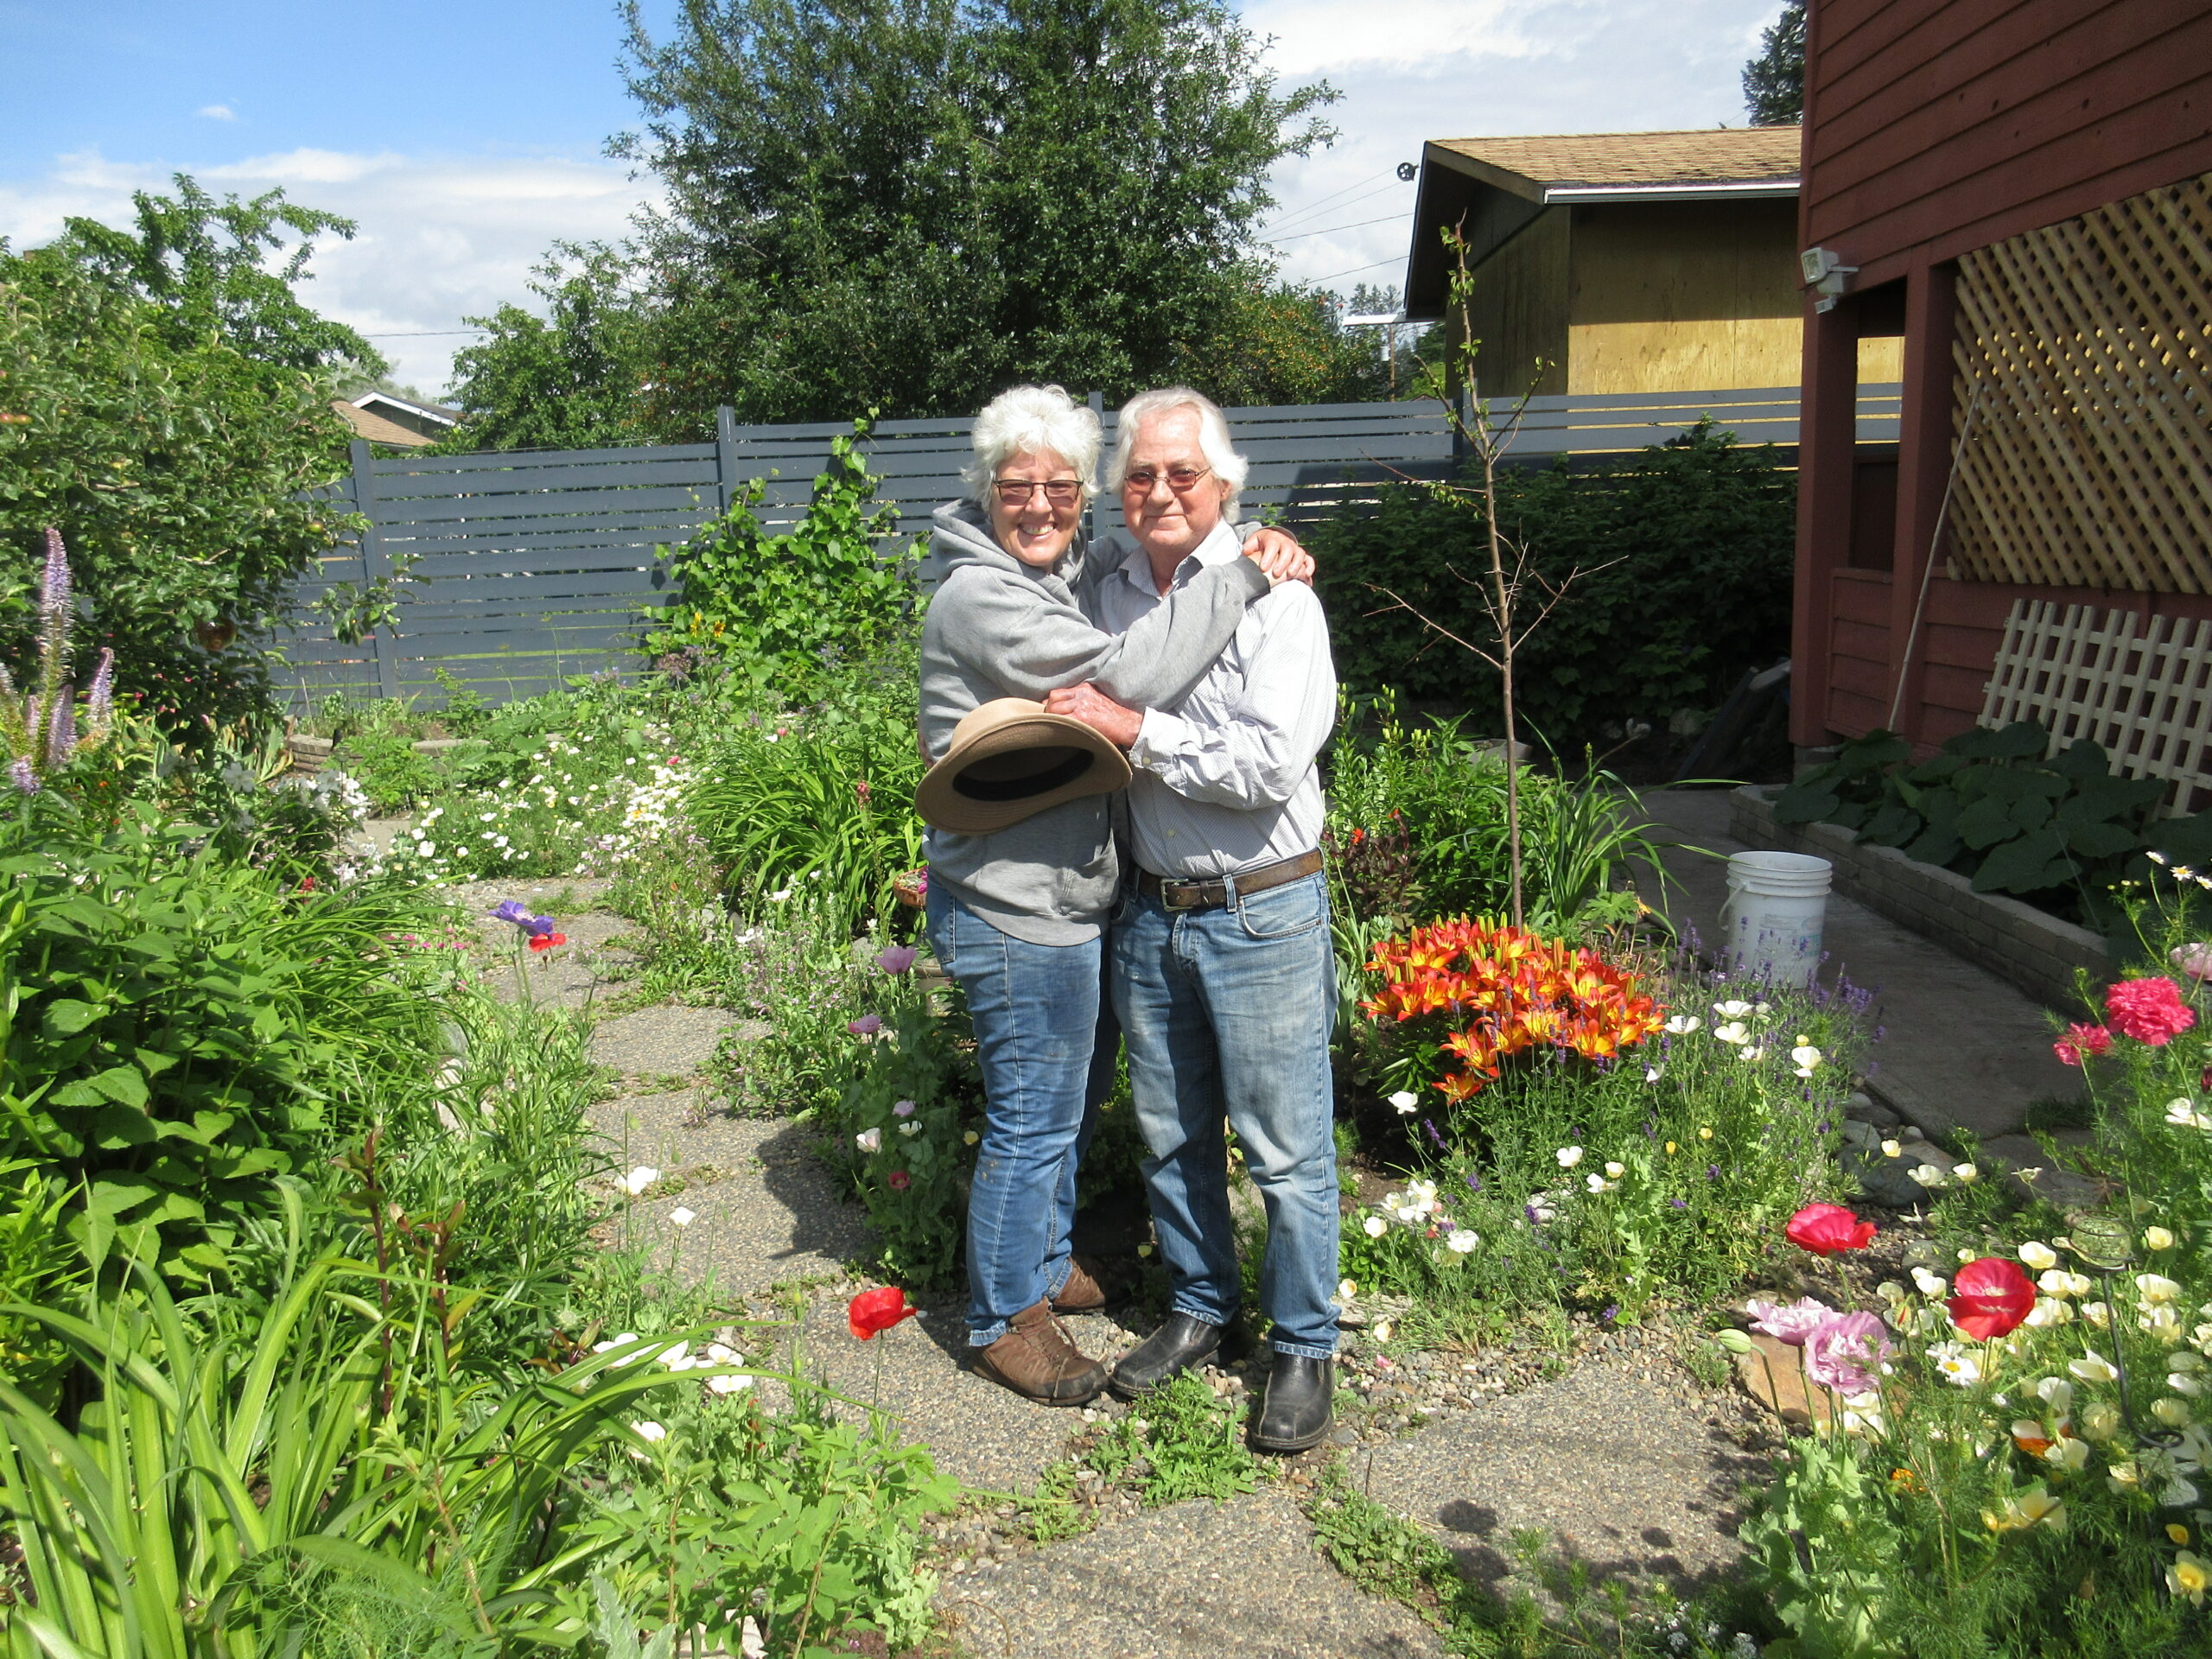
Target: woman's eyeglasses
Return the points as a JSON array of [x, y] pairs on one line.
[[1016, 492], [1179, 478]]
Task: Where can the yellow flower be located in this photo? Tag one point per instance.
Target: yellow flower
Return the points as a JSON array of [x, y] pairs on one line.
[[2190, 1575], [1705, 1134], [2034, 1507], [2158, 1238], [1670, 1148], [2038, 1255], [2177, 1532]]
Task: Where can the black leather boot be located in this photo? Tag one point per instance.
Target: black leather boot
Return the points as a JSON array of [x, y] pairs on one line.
[[1301, 1393], [1179, 1344]]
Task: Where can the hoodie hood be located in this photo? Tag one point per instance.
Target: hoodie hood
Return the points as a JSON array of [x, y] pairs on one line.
[[960, 534]]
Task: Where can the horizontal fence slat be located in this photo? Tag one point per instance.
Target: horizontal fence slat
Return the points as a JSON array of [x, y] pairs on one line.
[[493, 459], [696, 474], [551, 504]]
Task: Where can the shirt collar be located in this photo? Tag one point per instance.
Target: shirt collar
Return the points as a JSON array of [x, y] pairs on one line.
[[1222, 544]]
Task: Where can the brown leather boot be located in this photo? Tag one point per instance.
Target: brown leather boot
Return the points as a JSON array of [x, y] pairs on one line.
[[1037, 1360], [1089, 1287]]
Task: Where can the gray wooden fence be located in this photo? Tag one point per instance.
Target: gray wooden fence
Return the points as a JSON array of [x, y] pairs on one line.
[[530, 566]]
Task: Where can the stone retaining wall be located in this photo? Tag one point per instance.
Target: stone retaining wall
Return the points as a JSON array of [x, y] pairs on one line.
[[2016, 942]]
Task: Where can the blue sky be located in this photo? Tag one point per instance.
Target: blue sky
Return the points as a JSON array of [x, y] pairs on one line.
[[465, 136]]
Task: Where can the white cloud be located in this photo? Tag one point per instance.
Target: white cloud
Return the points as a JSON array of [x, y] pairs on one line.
[[439, 238], [220, 112], [1412, 70]]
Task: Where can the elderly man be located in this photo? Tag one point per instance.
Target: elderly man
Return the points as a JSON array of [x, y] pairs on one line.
[[1222, 970]]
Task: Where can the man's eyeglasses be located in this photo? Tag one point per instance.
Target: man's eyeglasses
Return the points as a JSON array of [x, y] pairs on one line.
[[1179, 478], [1016, 492]]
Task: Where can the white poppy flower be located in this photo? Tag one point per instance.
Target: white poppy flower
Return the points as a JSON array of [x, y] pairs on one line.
[[1462, 1242], [1569, 1156], [639, 1178], [1405, 1100], [1735, 1034], [1681, 1024], [681, 1217], [1375, 1226], [869, 1139]]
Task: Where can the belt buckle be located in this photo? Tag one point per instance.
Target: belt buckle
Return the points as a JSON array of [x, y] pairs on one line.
[[1169, 901]]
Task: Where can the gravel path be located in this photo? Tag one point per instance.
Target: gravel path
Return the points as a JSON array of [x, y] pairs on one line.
[[1626, 1463]]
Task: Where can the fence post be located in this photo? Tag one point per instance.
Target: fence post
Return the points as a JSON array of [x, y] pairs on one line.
[[726, 453], [376, 566]]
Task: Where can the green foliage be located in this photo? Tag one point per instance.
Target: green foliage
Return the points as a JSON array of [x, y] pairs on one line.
[[1659, 1178], [912, 210], [1417, 829], [1182, 1441], [1680, 568], [1282, 344], [180, 473], [184, 1030], [774, 606], [2061, 831], [1774, 81], [568, 381], [383, 761]]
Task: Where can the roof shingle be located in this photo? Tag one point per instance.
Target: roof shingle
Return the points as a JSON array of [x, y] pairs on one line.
[[1714, 156]]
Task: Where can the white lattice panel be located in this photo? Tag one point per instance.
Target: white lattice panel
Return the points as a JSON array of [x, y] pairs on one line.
[[2142, 690]]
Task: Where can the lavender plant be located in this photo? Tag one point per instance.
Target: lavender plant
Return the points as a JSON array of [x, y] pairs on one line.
[[40, 732]]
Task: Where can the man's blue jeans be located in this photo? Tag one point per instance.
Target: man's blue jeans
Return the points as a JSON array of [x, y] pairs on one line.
[[1041, 1041], [1228, 1012]]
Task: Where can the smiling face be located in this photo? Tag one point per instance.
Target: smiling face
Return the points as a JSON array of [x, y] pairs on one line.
[[1026, 520], [1169, 522]]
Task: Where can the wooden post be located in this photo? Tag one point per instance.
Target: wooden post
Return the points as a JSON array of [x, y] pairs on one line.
[[375, 565], [1925, 437], [1828, 427]]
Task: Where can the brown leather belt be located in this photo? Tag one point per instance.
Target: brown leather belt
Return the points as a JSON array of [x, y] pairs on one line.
[[1210, 895]]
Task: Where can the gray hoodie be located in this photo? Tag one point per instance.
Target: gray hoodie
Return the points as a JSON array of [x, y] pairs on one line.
[[997, 628]]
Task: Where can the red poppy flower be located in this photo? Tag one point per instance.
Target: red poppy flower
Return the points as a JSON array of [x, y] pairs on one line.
[[547, 941], [1990, 1298], [1825, 1229], [898, 1179], [877, 1310]]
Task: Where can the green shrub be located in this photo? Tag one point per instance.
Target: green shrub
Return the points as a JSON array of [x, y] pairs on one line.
[[782, 610], [186, 1030], [1684, 555], [2059, 831]]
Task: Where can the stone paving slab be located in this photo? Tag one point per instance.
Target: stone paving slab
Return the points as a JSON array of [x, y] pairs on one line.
[[667, 1041], [1961, 1048], [1627, 1473], [768, 1212], [1192, 1581]]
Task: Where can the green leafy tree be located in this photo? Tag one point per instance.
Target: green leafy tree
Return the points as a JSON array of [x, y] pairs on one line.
[[911, 206], [1774, 81], [176, 469], [1282, 344], [568, 381], [224, 270]]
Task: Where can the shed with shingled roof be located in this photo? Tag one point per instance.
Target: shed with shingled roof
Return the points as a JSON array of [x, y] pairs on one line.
[[1618, 262]]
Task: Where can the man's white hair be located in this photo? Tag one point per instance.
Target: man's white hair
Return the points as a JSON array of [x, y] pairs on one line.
[[1035, 419], [1213, 438]]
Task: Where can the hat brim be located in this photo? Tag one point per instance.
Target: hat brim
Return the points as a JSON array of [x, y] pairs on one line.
[[1010, 760]]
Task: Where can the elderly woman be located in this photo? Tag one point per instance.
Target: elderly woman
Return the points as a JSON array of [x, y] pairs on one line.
[[1017, 916]]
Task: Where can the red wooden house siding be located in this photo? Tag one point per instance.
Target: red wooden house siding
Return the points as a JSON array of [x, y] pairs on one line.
[[1932, 128]]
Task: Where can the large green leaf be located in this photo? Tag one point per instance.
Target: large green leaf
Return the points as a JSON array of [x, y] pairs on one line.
[[2030, 864], [2017, 741]]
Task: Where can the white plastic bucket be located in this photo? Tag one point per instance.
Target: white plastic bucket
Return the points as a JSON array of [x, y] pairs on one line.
[[1776, 907]]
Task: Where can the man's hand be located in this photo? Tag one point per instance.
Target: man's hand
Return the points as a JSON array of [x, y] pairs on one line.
[[1116, 721], [1278, 557]]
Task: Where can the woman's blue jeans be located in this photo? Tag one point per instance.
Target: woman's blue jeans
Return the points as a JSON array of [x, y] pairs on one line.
[[1047, 1059]]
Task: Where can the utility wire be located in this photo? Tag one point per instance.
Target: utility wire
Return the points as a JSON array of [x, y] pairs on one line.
[[1355, 270], [1311, 208], [1328, 229]]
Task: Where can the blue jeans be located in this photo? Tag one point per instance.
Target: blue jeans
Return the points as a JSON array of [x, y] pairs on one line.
[[1228, 1012], [1043, 1037]]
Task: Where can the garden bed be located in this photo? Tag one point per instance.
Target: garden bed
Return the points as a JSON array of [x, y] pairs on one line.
[[2020, 943]]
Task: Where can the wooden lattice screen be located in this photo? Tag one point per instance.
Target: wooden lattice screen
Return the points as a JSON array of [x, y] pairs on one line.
[[2086, 349], [2143, 693]]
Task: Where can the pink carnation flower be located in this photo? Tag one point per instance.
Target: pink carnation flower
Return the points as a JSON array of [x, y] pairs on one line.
[[1790, 1322], [2081, 1040], [2149, 1010], [1844, 1351]]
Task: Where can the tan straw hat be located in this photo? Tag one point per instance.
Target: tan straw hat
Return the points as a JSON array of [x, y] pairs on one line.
[[1009, 760]]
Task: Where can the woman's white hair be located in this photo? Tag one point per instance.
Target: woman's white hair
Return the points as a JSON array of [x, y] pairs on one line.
[[1213, 438], [1035, 419]]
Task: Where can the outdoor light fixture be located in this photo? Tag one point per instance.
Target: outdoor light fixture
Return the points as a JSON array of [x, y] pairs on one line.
[[1405, 172], [1825, 275]]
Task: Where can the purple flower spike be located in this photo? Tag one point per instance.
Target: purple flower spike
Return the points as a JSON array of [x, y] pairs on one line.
[[62, 729], [53, 589], [99, 703], [25, 779], [896, 959], [512, 911], [866, 1025]]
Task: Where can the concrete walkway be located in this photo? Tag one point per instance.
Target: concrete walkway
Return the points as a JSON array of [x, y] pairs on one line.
[[1960, 1048]]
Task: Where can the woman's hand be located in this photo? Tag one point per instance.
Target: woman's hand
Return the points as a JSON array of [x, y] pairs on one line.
[[1280, 557]]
